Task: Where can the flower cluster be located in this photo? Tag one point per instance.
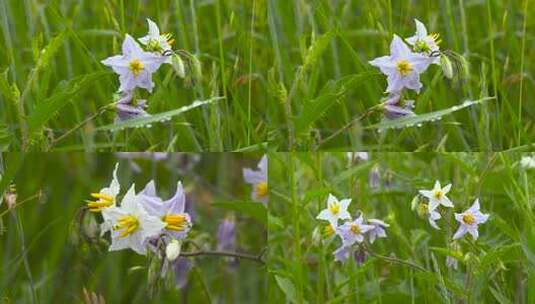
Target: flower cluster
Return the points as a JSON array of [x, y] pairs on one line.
[[142, 218], [136, 65], [403, 68], [436, 197], [351, 232]]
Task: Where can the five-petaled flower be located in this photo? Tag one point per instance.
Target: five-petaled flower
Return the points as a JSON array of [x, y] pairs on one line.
[[171, 212], [134, 66], [437, 196], [259, 180], [403, 67], [130, 224], [353, 232], [469, 220], [425, 43], [156, 42], [106, 196], [335, 210]]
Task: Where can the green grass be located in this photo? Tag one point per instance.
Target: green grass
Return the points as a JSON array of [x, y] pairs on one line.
[[44, 258], [54, 89], [322, 85], [497, 268]]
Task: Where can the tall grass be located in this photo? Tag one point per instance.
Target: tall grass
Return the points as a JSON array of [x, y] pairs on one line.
[[409, 265], [323, 85], [53, 87]]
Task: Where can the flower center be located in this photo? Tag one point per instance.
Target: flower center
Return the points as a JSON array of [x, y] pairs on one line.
[[334, 208], [355, 229], [154, 45], [422, 209], [128, 223], [404, 67], [104, 201], [421, 47], [328, 230], [262, 189], [176, 222], [438, 194], [468, 219], [135, 66]]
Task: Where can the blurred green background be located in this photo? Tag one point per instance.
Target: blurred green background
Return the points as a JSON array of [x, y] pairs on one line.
[[61, 265]]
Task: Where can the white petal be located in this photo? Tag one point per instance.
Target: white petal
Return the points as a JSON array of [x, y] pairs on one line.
[[154, 31], [398, 48], [130, 46], [331, 199], [460, 232], [446, 202], [325, 214], [395, 83], [263, 165], [345, 203], [474, 207], [446, 189], [385, 64], [129, 201], [473, 231], [421, 31]]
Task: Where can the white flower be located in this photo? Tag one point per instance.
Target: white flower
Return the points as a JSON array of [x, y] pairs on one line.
[[403, 67], [432, 217], [259, 180], [130, 225], [437, 196], [107, 195], [172, 251], [157, 42], [470, 219], [134, 66], [423, 42], [378, 230], [353, 232], [527, 162], [335, 210]]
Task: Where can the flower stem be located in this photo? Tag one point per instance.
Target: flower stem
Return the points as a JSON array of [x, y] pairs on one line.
[[397, 261]]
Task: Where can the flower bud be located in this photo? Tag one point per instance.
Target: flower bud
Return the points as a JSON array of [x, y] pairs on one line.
[[172, 251], [447, 67]]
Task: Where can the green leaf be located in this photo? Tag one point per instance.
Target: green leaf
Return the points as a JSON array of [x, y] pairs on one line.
[[6, 89], [64, 94], [288, 288], [5, 138], [155, 118], [50, 50], [355, 170], [253, 209], [329, 95], [417, 120]]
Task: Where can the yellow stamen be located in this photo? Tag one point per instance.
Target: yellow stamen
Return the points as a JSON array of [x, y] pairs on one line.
[[355, 229], [136, 67], [176, 222], [104, 201], [128, 223], [262, 189], [468, 219], [328, 230], [404, 67], [438, 194], [335, 208], [422, 209]]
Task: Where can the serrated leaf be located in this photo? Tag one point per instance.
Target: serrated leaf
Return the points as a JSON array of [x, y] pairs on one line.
[[410, 121], [63, 94], [253, 209], [155, 118]]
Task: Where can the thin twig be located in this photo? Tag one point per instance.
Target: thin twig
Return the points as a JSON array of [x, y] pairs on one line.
[[255, 258], [349, 124], [20, 203], [100, 111], [397, 261]]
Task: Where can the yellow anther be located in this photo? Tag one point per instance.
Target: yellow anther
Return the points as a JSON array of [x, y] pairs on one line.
[[438, 194], [128, 223], [262, 189], [176, 222], [355, 229], [468, 219], [104, 201], [404, 67], [135, 66], [328, 230], [335, 208]]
